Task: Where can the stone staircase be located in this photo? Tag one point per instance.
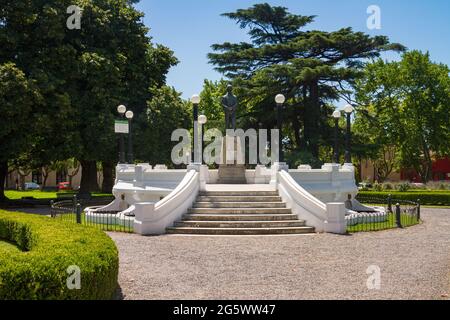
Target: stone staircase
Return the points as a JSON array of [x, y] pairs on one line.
[[239, 213]]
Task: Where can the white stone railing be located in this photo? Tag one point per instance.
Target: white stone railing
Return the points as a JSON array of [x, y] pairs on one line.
[[331, 183], [328, 217], [153, 218]]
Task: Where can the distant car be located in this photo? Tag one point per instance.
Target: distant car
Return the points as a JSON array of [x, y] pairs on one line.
[[64, 186], [32, 186], [364, 185]]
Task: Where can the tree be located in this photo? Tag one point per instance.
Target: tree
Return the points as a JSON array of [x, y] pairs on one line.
[[210, 103], [82, 74], [406, 104], [17, 98], [311, 68], [166, 112]]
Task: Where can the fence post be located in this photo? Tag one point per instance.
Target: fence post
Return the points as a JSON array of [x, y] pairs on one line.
[[74, 201], [418, 210], [52, 214], [389, 203], [398, 216], [78, 213]]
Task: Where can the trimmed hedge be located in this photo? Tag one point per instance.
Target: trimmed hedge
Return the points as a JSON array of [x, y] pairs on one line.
[[432, 198], [49, 247]]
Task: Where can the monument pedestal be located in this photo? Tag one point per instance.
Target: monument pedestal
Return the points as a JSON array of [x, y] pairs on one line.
[[230, 172]]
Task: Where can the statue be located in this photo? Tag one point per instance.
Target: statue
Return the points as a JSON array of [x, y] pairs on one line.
[[229, 103]]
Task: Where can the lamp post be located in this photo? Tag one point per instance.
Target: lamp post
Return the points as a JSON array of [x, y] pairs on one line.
[[129, 115], [336, 116], [280, 99], [348, 157], [121, 110], [202, 119], [195, 99]]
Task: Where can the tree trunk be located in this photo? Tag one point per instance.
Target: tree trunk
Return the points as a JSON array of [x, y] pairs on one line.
[[108, 181], [88, 177], [3, 174], [314, 121]]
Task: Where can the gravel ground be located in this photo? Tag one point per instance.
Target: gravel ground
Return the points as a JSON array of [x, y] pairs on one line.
[[414, 264]]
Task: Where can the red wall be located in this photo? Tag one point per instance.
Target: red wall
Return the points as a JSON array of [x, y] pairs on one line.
[[440, 171]]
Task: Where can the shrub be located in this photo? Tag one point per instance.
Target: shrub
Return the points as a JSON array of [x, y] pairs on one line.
[[403, 187], [49, 247], [377, 186], [433, 198], [387, 186]]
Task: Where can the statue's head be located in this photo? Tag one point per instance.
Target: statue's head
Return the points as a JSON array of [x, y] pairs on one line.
[[230, 88]]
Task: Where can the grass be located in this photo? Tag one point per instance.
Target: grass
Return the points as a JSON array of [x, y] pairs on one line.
[[37, 194], [8, 247], [406, 221], [71, 218]]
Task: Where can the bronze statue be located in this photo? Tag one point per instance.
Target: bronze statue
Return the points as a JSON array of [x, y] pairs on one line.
[[230, 103]]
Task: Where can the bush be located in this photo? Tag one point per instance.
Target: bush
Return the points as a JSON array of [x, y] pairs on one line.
[[403, 187], [377, 186], [431, 198], [49, 247], [387, 186]]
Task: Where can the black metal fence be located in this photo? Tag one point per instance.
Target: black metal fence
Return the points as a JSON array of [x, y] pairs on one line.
[[73, 211], [395, 214]]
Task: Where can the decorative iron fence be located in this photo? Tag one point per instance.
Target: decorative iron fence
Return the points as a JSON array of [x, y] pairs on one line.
[[392, 213], [73, 211]]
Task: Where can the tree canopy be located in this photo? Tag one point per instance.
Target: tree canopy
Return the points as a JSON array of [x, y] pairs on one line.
[[81, 74], [311, 68], [406, 105]]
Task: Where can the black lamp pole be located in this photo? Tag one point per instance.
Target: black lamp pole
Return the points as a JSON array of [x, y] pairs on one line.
[[280, 99], [336, 140], [348, 156], [130, 143], [195, 117], [195, 100], [121, 110], [280, 128]]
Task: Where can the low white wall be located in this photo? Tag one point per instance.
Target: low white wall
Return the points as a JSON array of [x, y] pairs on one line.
[[153, 218], [142, 183], [323, 217], [332, 183]]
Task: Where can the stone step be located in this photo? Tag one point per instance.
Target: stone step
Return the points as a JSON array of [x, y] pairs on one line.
[[240, 210], [239, 205], [239, 231], [239, 199], [240, 224], [238, 193], [239, 217]]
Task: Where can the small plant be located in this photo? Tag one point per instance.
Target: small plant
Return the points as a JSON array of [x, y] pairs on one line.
[[403, 187], [377, 186], [388, 186]]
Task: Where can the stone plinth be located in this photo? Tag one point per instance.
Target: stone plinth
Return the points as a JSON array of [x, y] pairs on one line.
[[231, 171]]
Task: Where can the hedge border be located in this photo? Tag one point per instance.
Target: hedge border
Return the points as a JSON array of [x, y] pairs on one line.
[[426, 198], [49, 247]]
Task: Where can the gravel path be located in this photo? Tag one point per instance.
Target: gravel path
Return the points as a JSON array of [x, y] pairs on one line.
[[414, 264]]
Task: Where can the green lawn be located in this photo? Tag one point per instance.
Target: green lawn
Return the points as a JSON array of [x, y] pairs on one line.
[[406, 220], [6, 246], [36, 194]]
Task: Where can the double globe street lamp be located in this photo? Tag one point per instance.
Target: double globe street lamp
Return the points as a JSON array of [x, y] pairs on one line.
[[195, 100], [348, 110], [280, 99], [122, 110]]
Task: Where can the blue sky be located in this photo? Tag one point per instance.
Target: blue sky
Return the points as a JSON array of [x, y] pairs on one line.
[[189, 27]]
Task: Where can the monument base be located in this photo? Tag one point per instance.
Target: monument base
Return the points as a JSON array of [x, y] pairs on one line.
[[232, 174]]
